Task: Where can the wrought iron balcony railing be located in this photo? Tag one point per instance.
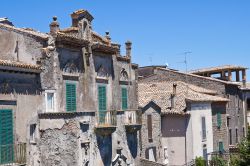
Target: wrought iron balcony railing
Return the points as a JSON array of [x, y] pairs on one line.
[[107, 118], [132, 117], [132, 120], [106, 122], [13, 154]]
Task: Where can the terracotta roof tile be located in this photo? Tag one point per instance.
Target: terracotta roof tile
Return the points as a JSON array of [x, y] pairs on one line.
[[26, 31], [160, 93], [19, 65]]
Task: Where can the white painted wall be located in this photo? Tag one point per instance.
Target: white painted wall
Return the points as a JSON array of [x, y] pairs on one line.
[[173, 139], [199, 110]]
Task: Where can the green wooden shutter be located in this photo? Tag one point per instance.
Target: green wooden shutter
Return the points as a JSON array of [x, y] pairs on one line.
[[124, 99], [70, 97], [6, 137], [102, 103], [218, 119], [221, 147]]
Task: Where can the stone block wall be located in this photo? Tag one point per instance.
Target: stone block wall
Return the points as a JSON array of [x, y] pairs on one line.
[[220, 133], [153, 144]]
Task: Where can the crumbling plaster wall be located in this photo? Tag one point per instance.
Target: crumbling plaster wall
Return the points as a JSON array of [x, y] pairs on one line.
[[73, 140], [29, 49]]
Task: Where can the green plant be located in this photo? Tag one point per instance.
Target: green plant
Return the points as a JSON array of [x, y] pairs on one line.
[[218, 161], [199, 161], [243, 156]]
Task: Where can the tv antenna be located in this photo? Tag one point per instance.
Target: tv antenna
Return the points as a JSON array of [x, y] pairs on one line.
[[185, 60]]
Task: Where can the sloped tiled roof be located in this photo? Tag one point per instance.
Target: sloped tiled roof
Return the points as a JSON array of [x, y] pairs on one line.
[[26, 31], [16, 64], [160, 93]]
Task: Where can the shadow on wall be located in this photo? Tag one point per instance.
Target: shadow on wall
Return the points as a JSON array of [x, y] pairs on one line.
[[105, 148], [132, 143], [20, 83]]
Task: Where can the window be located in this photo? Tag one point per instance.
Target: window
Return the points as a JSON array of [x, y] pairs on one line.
[[32, 133], [70, 97], [248, 104], [205, 152], [50, 101], [228, 121], [230, 137], [149, 121], [102, 103], [204, 132], [6, 136], [236, 135], [221, 147], [124, 98], [243, 130], [218, 119]]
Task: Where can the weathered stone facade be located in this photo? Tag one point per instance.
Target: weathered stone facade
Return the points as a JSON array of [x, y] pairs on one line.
[[63, 129], [231, 90]]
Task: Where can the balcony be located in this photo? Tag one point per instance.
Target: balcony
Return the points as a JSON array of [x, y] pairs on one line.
[[13, 154], [132, 120], [106, 123]]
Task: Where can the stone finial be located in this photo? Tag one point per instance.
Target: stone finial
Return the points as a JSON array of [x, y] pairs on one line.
[[128, 48], [107, 35], [54, 26]]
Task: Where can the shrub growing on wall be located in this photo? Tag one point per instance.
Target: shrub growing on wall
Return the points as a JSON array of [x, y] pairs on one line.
[[218, 161], [199, 161]]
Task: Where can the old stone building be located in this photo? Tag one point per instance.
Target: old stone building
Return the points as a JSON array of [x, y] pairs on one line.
[[232, 119], [69, 95], [177, 124]]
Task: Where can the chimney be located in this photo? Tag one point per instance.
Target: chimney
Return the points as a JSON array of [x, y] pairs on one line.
[[128, 48], [173, 96], [54, 26], [108, 36], [174, 88], [79, 15]]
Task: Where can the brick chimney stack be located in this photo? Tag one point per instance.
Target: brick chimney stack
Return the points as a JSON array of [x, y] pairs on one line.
[[128, 48], [54, 26]]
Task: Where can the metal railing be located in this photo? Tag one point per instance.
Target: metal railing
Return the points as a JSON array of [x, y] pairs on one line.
[[13, 154], [132, 117], [107, 118]]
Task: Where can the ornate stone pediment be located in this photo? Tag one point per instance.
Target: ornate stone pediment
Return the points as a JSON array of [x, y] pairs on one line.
[[70, 67], [123, 75], [102, 72]]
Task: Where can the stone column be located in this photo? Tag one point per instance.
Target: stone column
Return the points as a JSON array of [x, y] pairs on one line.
[[237, 76], [244, 77], [229, 75]]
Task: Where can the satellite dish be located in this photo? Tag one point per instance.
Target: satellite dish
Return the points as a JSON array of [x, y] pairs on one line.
[[167, 64]]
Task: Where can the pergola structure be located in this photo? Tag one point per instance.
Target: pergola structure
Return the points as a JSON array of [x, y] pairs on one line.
[[225, 72]]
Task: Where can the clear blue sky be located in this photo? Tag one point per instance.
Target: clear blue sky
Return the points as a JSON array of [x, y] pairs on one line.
[[217, 32]]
